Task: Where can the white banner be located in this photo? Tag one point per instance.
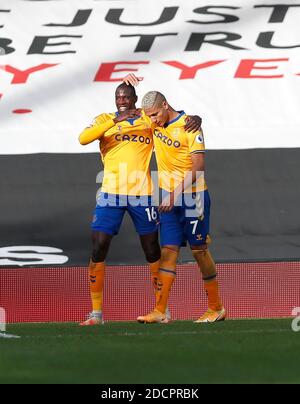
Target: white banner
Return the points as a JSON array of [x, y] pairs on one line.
[[234, 63]]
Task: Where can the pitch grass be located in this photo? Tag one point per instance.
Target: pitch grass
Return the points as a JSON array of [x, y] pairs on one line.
[[247, 351]]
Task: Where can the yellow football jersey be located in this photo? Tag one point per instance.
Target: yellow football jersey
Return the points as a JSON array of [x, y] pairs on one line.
[[173, 149], [126, 150]]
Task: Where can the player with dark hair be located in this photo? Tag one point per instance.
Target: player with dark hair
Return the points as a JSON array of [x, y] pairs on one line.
[[126, 145]]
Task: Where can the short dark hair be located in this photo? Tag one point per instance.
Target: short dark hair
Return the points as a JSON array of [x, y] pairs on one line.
[[127, 86]]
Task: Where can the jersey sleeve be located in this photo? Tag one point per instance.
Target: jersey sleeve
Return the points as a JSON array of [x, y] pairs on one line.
[[149, 122], [98, 127], [196, 142]]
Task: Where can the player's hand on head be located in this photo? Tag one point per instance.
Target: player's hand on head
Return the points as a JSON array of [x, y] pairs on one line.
[[132, 79], [193, 123]]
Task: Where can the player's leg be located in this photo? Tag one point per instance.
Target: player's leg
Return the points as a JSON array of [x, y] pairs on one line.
[[216, 311], [146, 222], [166, 278], [171, 238], [167, 275], [151, 248], [106, 223], [101, 242], [197, 233]]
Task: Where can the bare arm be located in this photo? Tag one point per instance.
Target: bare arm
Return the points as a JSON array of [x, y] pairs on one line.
[[198, 167]]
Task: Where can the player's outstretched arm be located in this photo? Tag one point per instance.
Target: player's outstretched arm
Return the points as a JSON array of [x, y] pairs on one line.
[[193, 123], [132, 79], [95, 132]]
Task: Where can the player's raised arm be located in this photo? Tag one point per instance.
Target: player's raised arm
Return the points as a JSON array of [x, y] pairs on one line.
[[132, 79]]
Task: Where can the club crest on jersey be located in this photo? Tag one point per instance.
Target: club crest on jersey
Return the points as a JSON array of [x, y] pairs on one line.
[[199, 138], [176, 132]]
